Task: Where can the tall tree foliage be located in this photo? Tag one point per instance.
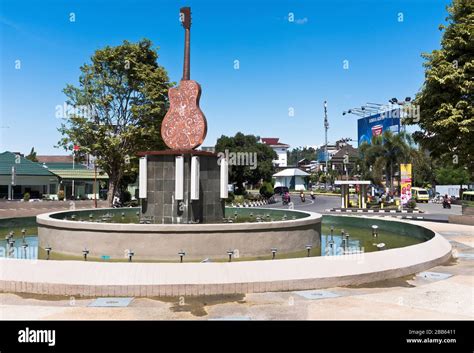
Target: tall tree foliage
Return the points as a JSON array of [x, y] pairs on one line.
[[240, 174], [446, 98], [297, 154], [118, 107]]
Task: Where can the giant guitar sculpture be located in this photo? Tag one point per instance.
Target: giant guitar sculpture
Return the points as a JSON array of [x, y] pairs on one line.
[[184, 126]]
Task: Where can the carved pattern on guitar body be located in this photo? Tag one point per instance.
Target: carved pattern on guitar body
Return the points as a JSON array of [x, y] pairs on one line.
[[184, 126]]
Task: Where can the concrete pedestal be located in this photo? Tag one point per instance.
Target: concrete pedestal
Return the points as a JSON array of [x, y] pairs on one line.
[[160, 204]]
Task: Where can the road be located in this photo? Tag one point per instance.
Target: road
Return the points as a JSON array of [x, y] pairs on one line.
[[432, 212]]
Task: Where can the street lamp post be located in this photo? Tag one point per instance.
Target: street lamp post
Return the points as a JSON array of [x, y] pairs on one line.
[[326, 127]]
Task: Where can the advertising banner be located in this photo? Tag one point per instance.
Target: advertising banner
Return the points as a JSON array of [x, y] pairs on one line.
[[376, 125], [405, 183]]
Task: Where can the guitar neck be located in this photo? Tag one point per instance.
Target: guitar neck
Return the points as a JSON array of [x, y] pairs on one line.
[[187, 63]]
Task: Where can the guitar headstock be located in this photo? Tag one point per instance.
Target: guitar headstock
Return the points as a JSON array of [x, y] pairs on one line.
[[185, 17]]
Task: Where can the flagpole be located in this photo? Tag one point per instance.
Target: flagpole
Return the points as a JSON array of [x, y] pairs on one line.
[[73, 155]]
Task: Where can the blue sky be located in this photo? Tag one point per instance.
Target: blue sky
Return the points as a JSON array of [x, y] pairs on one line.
[[283, 64]]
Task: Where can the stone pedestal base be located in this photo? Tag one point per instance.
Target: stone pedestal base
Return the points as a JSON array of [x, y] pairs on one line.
[[161, 206]]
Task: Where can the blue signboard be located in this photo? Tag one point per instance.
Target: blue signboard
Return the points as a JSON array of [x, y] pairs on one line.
[[322, 155], [377, 124]]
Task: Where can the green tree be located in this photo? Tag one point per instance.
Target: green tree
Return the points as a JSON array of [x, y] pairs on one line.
[[453, 176], [32, 155], [118, 108], [297, 154], [247, 144], [446, 98], [423, 172]]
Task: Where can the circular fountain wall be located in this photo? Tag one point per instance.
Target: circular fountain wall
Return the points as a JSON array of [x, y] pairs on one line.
[[164, 241]]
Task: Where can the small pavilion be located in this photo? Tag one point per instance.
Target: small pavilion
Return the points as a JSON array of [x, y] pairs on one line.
[[345, 184]]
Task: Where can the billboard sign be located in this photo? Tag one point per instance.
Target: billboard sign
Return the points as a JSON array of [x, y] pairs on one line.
[[405, 183], [377, 124]]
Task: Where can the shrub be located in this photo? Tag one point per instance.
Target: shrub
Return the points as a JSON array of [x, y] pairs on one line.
[[266, 190], [131, 203], [126, 196], [411, 204], [240, 191], [26, 196], [61, 195], [230, 197], [239, 198]]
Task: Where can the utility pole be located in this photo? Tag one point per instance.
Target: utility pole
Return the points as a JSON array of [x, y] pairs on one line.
[[326, 127], [95, 184]]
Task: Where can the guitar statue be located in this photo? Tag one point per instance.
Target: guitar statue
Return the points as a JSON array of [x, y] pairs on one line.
[[184, 126]]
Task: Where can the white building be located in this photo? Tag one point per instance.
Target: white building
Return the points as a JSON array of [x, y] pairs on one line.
[[292, 178], [280, 149]]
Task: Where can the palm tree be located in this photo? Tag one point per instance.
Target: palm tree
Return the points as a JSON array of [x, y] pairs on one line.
[[385, 153], [397, 149]]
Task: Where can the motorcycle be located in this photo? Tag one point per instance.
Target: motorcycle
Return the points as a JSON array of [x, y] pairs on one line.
[[303, 199], [447, 204], [286, 199], [313, 197]]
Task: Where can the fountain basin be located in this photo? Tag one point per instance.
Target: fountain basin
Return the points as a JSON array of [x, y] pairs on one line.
[[164, 241]]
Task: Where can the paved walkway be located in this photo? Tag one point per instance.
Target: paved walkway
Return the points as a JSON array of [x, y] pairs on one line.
[[410, 298]]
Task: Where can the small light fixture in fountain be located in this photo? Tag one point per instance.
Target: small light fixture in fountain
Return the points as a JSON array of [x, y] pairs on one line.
[[181, 255], [130, 255], [374, 231], [274, 251], [230, 253], [85, 252], [23, 233], [381, 246], [308, 249], [48, 251], [332, 231], [24, 246], [91, 216]]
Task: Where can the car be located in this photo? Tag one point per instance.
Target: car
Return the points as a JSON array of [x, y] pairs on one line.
[[280, 190], [420, 194]]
